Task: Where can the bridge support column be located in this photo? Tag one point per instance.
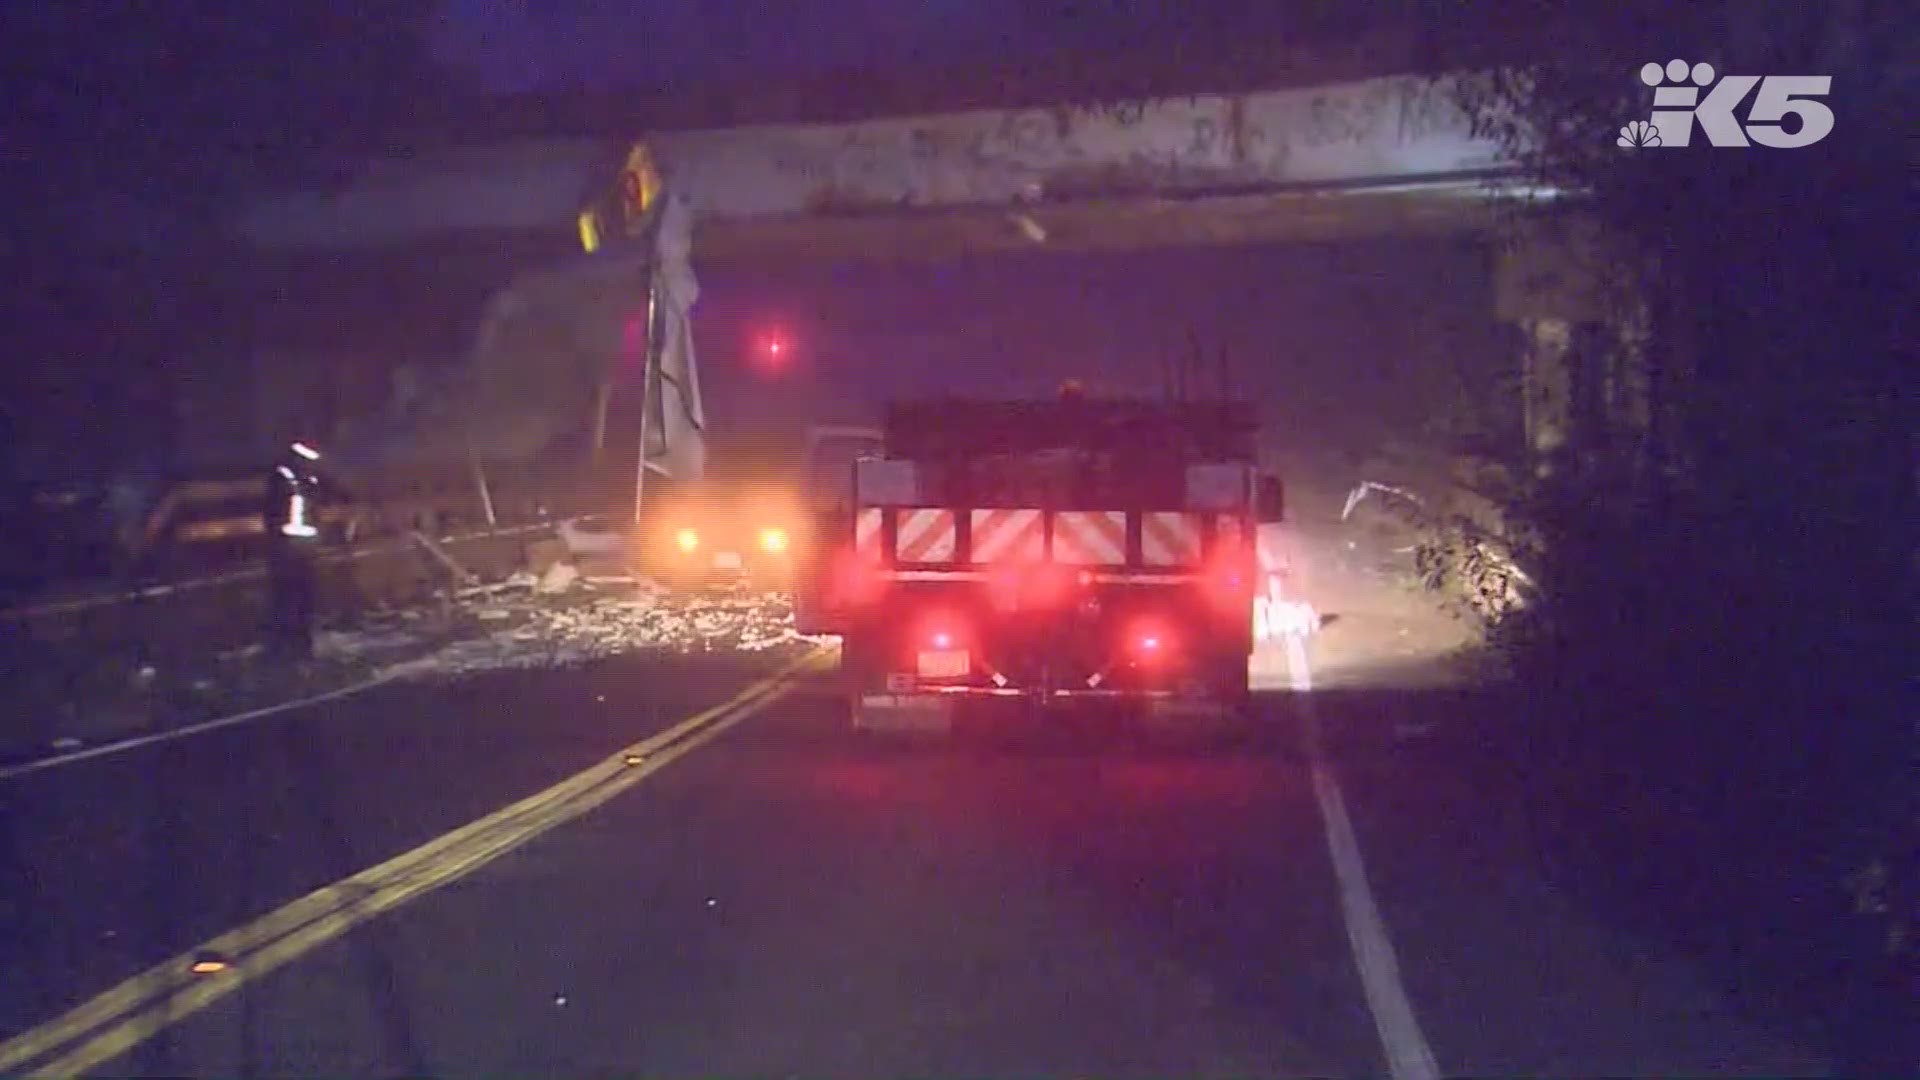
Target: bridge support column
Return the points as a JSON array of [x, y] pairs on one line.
[[1546, 362], [1585, 387]]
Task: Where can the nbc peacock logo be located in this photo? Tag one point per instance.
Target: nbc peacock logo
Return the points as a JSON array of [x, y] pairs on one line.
[[1638, 134]]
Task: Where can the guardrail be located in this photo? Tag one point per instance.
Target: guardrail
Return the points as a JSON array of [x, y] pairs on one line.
[[208, 530], [108, 596]]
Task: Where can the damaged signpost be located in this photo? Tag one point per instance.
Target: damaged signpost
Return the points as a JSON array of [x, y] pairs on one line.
[[548, 360], [672, 420]]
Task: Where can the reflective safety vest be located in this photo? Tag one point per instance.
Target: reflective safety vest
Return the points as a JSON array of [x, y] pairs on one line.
[[297, 523], [291, 512]]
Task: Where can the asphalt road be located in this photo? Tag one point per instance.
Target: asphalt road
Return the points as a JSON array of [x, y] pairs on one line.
[[767, 895]]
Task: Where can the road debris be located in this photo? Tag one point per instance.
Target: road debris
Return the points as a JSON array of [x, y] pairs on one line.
[[354, 644], [514, 625], [558, 579], [209, 963], [562, 632]]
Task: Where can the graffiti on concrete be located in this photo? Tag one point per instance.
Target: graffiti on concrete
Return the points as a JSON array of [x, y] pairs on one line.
[[1126, 113], [1334, 118], [1383, 128], [1430, 107]]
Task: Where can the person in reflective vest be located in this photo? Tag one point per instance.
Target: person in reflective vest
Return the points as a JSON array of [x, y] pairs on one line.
[[293, 546]]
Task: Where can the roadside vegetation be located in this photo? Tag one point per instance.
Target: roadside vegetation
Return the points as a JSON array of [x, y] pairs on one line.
[[1712, 633]]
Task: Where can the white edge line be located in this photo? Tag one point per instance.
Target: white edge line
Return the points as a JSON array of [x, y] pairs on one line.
[[201, 728], [1409, 1057]]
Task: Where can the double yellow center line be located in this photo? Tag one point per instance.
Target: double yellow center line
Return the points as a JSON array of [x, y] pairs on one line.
[[116, 1021]]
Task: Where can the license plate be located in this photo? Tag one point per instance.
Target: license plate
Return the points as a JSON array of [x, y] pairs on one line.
[[943, 663], [726, 560]]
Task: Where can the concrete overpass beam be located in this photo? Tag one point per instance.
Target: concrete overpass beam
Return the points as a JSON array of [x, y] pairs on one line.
[[1382, 138], [1385, 130]]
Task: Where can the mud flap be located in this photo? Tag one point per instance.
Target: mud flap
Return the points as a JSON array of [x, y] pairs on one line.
[[919, 713]]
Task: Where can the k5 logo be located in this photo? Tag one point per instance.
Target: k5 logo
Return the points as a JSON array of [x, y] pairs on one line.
[[1677, 104]]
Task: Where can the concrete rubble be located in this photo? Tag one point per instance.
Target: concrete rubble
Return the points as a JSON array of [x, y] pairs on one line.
[[512, 624], [558, 579], [562, 618]]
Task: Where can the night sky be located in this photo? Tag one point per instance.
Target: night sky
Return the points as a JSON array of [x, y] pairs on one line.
[[513, 45]]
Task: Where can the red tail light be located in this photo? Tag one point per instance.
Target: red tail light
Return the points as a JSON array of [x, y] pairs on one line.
[[1148, 642], [939, 644]]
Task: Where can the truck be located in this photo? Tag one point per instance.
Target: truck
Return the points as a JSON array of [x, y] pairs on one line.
[[1034, 556], [736, 526]]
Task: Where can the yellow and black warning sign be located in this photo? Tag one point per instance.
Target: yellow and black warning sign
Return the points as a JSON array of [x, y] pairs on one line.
[[640, 185], [624, 212]]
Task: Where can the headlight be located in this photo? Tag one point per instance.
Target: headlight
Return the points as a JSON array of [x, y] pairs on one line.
[[687, 539], [773, 541]]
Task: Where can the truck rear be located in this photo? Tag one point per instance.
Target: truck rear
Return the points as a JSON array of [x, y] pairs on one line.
[[1026, 556]]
